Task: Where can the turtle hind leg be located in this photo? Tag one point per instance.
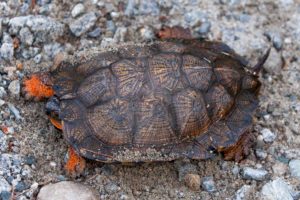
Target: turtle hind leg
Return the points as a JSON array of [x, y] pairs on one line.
[[38, 86], [240, 149], [75, 164]]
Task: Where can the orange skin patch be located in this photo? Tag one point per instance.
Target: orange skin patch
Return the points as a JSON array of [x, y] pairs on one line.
[[56, 123], [34, 87], [75, 164]]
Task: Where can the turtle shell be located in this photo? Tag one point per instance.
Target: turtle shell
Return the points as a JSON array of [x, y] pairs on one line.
[[156, 102]]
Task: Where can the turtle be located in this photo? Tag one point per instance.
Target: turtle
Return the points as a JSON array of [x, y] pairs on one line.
[[177, 97]]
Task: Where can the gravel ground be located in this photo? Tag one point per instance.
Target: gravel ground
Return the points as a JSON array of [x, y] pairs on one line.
[[33, 152]]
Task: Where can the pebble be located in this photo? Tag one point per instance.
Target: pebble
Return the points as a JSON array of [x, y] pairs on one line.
[[254, 174], [294, 166], [2, 102], [194, 18], [110, 26], [26, 36], [37, 59], [77, 10], [3, 92], [204, 28], [15, 111], [261, 154], [130, 8], [5, 195], [14, 88], [276, 38], [192, 181], [83, 24], [147, 33], [243, 192], [274, 65], [148, 8], [268, 135], [208, 184], [4, 185], [21, 186], [7, 51], [67, 190], [111, 187], [276, 190], [95, 33], [52, 49]]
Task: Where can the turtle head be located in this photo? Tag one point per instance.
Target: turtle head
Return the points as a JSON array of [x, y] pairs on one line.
[[53, 107], [250, 80]]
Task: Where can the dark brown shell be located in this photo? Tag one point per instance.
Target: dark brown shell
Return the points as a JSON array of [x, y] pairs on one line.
[[156, 102]]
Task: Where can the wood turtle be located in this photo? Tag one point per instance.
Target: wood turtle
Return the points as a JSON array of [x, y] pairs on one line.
[[160, 101]]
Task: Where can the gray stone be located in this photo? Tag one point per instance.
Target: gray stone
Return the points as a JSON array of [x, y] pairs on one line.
[[37, 59], [4, 185], [254, 174], [279, 168], [2, 102], [208, 184], [43, 28], [130, 8], [243, 192], [261, 154], [29, 52], [276, 190], [14, 88], [268, 135], [52, 49], [274, 65], [111, 188], [4, 9], [147, 33], [7, 51], [194, 18], [95, 33], [204, 28], [15, 111], [120, 35], [294, 166], [26, 36], [148, 8], [83, 24], [67, 190], [5, 195], [276, 38], [77, 10], [110, 26], [3, 93]]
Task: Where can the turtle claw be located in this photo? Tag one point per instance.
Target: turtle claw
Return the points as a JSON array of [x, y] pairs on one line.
[[75, 164]]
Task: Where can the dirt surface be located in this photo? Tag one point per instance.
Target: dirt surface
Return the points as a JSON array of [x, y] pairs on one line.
[[248, 27]]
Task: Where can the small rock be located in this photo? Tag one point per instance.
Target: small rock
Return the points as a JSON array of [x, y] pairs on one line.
[[67, 190], [208, 184], [111, 187], [14, 88], [7, 51], [235, 170], [83, 24], [294, 166], [276, 38], [95, 33], [261, 154], [274, 65], [147, 33], [148, 8], [4, 185], [3, 93], [130, 8], [268, 135], [120, 35], [37, 59], [2, 102], [254, 174], [204, 28], [195, 17], [243, 192], [52, 49], [26, 36], [110, 26], [276, 190], [192, 181], [77, 10], [5, 195], [15, 111], [21, 186]]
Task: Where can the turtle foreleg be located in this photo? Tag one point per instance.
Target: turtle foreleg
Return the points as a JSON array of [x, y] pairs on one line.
[[38, 86], [75, 164]]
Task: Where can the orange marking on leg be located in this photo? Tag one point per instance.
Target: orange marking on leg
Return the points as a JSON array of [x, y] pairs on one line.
[[56, 123], [75, 164], [34, 87]]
